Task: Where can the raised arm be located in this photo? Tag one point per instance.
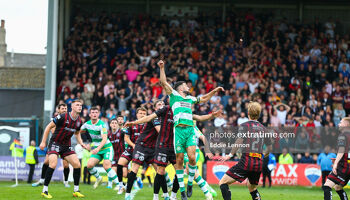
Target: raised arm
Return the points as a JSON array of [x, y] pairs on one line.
[[210, 116], [168, 89], [207, 97], [49, 127], [144, 119]]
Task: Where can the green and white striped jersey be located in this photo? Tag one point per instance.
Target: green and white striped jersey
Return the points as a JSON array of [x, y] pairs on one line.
[[96, 131], [182, 108]]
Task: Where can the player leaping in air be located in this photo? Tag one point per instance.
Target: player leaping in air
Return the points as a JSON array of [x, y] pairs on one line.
[[185, 140], [102, 148], [164, 152], [251, 162]]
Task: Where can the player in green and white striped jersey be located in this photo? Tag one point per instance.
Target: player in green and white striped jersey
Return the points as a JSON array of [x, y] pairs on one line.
[[184, 136], [208, 191], [101, 146]]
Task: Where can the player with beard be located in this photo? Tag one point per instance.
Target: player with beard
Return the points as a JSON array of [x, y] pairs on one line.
[[131, 134], [66, 125], [251, 162], [61, 109], [116, 136], [165, 153], [185, 140], [340, 174]]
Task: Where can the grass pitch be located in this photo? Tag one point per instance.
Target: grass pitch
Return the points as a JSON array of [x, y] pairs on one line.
[[25, 191]]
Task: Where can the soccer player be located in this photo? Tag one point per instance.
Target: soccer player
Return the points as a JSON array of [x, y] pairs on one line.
[[208, 191], [116, 136], [251, 162], [340, 174], [101, 146], [131, 135], [66, 125], [61, 108], [181, 104], [165, 153], [144, 150]]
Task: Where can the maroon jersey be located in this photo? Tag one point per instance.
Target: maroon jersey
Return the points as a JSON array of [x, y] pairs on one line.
[[165, 137], [148, 137], [117, 140], [133, 132], [252, 158], [343, 147], [66, 126]]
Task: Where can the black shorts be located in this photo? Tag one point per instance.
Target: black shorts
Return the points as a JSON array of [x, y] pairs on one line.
[[341, 178], [164, 155], [60, 150], [238, 173], [127, 154], [143, 154]]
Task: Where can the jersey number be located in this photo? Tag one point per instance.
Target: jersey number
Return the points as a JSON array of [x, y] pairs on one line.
[[255, 145]]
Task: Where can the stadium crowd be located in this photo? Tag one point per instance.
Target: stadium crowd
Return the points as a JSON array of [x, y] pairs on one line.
[[298, 72]]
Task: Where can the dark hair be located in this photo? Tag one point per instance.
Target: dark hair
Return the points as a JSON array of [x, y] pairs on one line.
[[177, 84], [141, 108], [114, 119], [155, 103], [119, 116], [94, 108], [61, 105]]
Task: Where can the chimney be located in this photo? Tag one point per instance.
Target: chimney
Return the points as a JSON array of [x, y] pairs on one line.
[[3, 46]]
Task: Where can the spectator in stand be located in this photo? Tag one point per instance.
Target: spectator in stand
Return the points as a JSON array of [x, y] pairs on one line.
[[122, 100], [242, 118], [339, 113], [282, 110], [347, 102], [311, 63], [87, 97], [325, 162], [285, 157], [306, 158]]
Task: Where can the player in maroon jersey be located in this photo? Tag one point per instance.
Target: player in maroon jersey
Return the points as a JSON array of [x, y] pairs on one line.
[[144, 149], [60, 145], [60, 109], [164, 153], [251, 162], [130, 136], [340, 174], [116, 137]]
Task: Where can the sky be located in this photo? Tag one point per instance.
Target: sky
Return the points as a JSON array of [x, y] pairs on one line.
[[25, 24]]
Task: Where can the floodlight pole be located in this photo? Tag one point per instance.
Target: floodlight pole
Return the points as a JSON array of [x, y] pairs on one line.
[[51, 61]]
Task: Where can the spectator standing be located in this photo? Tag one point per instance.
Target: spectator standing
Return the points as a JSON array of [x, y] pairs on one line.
[[325, 162], [285, 157], [282, 110], [31, 159], [269, 164]]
